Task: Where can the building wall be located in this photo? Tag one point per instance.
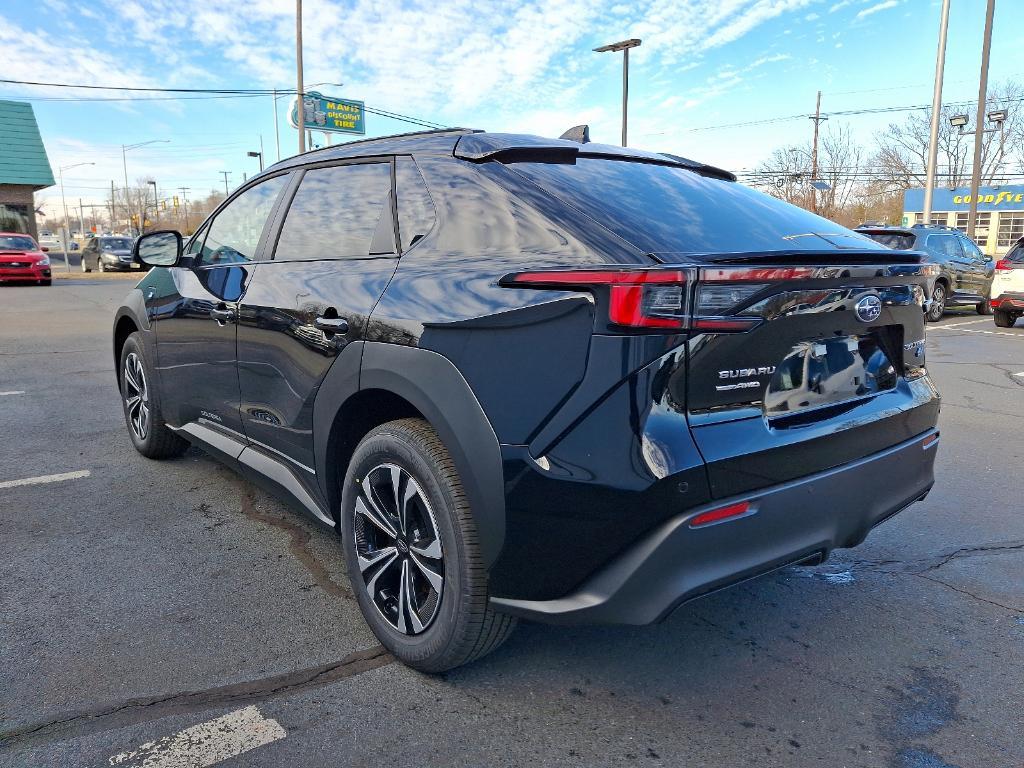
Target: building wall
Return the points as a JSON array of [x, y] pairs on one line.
[[17, 209], [1000, 214]]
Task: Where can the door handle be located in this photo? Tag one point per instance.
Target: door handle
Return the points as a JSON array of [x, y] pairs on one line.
[[223, 314], [331, 324]]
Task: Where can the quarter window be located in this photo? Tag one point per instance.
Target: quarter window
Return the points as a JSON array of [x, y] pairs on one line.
[[1011, 229], [235, 232], [947, 245], [415, 209], [336, 213]]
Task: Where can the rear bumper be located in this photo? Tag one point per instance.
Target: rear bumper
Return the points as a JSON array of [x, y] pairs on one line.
[[789, 523], [1009, 301]]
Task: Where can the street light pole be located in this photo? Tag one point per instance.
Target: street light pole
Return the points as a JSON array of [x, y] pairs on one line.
[[156, 206], [124, 161], [64, 205], [301, 112], [933, 139], [624, 46], [979, 126]]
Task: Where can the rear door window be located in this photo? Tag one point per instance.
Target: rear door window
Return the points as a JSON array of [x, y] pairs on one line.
[[948, 246], [336, 212]]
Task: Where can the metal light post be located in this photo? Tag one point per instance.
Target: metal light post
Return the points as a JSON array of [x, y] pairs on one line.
[[259, 155], [979, 125], [298, 78], [124, 162], [156, 205], [64, 204], [624, 46], [933, 139]]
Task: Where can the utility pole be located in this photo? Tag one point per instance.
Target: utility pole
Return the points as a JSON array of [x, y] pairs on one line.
[[933, 139], [81, 219], [226, 174], [624, 46], [814, 153], [184, 202], [113, 211], [127, 192], [300, 109], [979, 128]]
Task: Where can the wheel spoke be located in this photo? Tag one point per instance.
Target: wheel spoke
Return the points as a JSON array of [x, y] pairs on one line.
[[365, 563], [432, 550], [436, 580], [396, 484], [410, 597], [367, 507], [129, 376], [411, 490], [132, 403], [371, 585]]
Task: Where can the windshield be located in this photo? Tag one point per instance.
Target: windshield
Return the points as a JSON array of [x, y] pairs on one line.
[[901, 241], [117, 244], [665, 209], [15, 243]]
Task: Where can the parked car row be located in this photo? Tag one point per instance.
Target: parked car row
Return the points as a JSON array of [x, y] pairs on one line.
[[965, 273]]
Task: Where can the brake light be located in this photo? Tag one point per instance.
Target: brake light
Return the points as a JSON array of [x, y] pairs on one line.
[[637, 298]]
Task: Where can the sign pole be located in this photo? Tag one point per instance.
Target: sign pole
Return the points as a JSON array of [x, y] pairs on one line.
[[298, 86]]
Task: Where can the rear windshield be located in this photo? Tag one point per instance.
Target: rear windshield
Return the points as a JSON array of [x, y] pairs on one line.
[[900, 241], [664, 209], [116, 244], [1016, 254], [15, 243]]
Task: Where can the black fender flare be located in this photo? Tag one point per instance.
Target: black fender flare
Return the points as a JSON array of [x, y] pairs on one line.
[[134, 308], [436, 388]]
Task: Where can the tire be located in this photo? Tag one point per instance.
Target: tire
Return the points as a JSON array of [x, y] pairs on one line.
[[447, 620], [984, 308], [1004, 319], [938, 306], [100, 266], [84, 266], [144, 418]]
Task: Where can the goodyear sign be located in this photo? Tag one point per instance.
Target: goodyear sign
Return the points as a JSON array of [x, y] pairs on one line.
[[325, 113], [1006, 198]]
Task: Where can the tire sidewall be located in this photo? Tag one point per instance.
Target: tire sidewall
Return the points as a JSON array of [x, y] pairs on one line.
[[134, 344], [386, 445], [936, 311]]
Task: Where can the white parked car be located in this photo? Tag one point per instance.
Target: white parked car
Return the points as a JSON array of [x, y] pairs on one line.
[[1008, 287]]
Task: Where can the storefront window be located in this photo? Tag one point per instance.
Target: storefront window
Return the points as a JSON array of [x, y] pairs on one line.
[[981, 226], [13, 218], [1011, 228]]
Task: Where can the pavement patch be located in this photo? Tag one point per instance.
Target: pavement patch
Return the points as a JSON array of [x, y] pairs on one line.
[[207, 743], [76, 475], [13, 392]]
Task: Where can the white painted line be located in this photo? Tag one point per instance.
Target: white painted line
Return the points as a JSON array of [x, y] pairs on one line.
[[46, 479], [13, 392], [207, 743], [966, 322], [975, 330], [1019, 374]]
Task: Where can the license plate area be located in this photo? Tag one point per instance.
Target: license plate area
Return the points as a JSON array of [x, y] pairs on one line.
[[820, 373]]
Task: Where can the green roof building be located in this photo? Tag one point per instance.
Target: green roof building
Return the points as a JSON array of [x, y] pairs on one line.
[[24, 167]]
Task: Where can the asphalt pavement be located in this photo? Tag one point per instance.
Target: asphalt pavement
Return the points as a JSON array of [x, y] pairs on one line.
[[170, 613]]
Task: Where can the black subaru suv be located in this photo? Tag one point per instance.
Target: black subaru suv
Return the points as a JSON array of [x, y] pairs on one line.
[[965, 273], [526, 377]]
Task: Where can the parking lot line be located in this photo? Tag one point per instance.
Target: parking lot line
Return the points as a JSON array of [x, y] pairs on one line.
[[207, 743], [13, 392], [973, 330], [965, 322], [77, 474]]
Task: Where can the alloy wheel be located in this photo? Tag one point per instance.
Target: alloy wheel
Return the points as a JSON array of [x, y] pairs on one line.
[[398, 548], [938, 306], [136, 395]]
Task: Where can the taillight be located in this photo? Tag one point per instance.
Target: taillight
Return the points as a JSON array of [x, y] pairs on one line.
[[637, 298], [1004, 265]]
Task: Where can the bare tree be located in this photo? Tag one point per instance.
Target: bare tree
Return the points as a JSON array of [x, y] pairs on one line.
[[901, 152]]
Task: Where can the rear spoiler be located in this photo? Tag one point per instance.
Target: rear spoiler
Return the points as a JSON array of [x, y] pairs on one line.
[[485, 147]]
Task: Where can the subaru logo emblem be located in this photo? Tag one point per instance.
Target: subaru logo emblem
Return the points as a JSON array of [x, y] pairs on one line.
[[868, 309]]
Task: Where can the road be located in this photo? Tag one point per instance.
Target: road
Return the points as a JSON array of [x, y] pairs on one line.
[[176, 603]]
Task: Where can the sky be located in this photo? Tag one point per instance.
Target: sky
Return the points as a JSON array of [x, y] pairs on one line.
[[705, 70]]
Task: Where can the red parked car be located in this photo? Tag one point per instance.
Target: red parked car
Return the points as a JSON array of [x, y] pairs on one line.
[[22, 260]]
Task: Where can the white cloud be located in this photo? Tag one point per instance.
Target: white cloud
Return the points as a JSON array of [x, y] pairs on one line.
[[811, 17], [876, 8], [840, 5]]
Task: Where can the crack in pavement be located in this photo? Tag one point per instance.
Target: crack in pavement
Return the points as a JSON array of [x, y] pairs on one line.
[[150, 708], [967, 592], [300, 538]]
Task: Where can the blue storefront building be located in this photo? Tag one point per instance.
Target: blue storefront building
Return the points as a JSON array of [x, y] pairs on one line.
[[1000, 213]]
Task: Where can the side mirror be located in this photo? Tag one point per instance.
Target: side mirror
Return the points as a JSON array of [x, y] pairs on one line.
[[44, 249], [158, 249]]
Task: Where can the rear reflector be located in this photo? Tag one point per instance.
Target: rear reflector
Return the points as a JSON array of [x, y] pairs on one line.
[[722, 513], [930, 441]]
